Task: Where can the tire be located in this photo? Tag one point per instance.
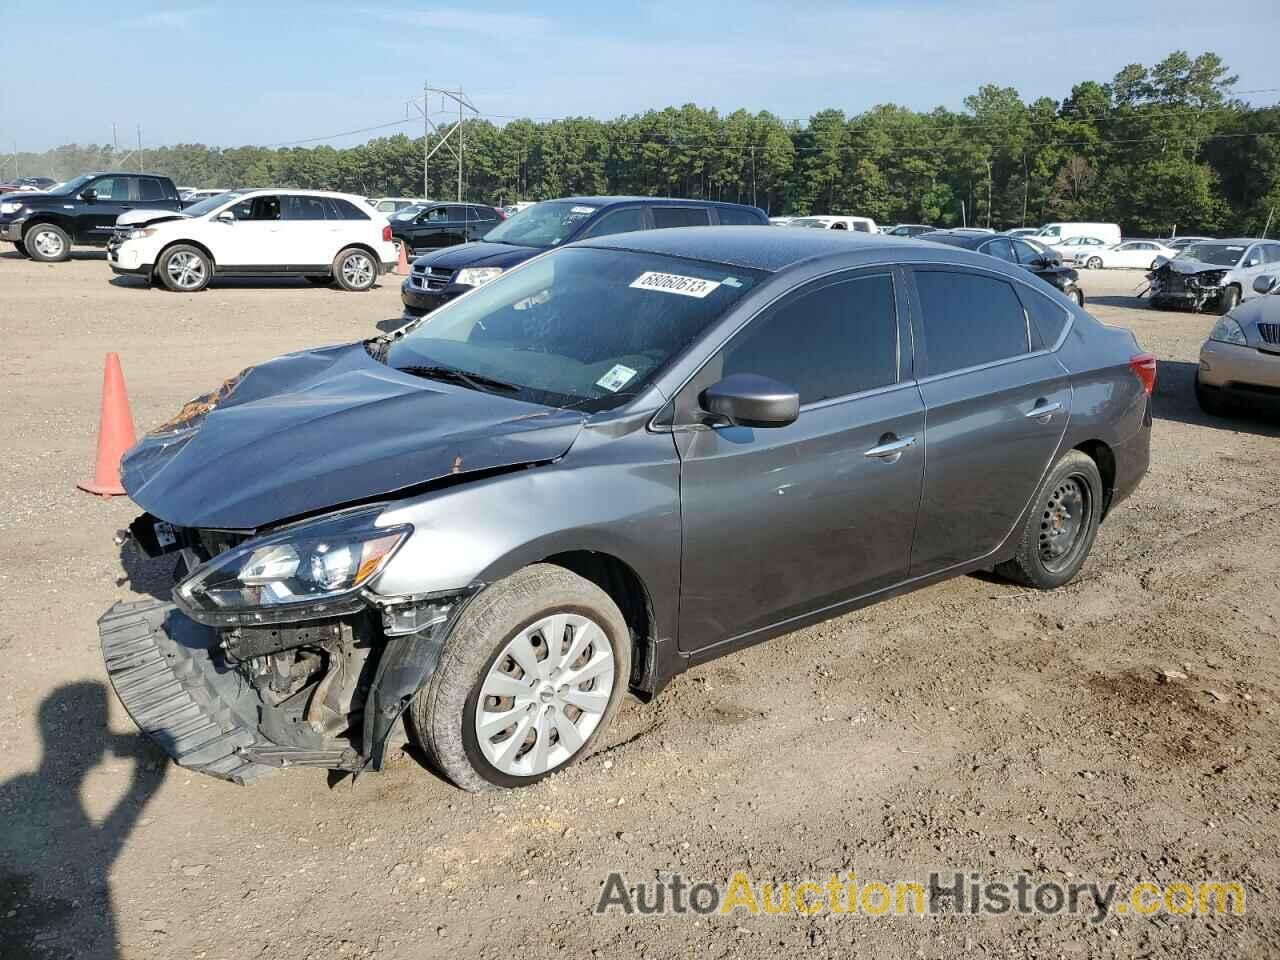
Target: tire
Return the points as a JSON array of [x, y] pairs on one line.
[[1070, 500], [47, 243], [1094, 263], [355, 269], [1155, 264], [1077, 295], [21, 248], [184, 268], [1211, 400], [1229, 300], [443, 717]]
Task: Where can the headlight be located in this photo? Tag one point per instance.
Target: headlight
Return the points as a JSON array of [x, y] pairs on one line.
[[1210, 278], [1227, 330], [10, 206], [477, 276], [315, 569], [141, 232]]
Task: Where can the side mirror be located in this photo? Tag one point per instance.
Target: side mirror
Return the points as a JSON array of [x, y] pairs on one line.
[[750, 400], [1264, 284], [226, 216], [89, 194], [1253, 262]]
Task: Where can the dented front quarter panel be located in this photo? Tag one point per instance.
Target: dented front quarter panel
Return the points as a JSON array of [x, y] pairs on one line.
[[618, 493]]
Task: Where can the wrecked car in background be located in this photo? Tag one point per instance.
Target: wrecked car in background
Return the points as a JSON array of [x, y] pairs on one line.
[[617, 460], [1214, 274]]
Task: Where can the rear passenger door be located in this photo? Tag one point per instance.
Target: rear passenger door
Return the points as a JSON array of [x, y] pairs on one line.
[[996, 401], [310, 235], [480, 220], [781, 522]]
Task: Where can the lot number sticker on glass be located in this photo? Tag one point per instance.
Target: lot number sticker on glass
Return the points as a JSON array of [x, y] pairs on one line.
[[616, 378], [674, 283]]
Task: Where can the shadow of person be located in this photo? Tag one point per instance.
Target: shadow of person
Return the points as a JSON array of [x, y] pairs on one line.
[[143, 574], [55, 859]]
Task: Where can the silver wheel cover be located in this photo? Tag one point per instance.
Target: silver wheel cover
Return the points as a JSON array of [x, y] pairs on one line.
[[47, 243], [357, 270], [545, 694], [185, 269]]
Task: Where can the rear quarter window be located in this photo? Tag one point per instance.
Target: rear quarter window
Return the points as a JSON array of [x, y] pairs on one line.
[[737, 217], [348, 210], [1048, 319], [680, 217]]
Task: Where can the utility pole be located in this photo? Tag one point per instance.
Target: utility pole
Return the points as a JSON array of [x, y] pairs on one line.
[[429, 126], [753, 176], [139, 148]]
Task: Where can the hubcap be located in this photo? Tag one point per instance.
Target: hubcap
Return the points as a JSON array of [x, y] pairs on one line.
[[1063, 522], [186, 269], [47, 243], [544, 695], [357, 270]]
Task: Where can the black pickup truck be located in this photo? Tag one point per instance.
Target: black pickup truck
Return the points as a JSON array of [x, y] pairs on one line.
[[44, 226]]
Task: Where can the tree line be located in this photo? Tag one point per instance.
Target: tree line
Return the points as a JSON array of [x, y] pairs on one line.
[[1155, 149]]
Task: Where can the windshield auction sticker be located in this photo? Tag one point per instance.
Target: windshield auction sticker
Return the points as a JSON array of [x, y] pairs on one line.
[[674, 283], [616, 378]]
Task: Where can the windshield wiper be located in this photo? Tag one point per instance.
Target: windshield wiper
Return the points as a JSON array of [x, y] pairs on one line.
[[476, 381]]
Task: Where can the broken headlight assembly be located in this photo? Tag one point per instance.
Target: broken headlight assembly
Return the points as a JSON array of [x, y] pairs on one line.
[[314, 569], [1209, 278]]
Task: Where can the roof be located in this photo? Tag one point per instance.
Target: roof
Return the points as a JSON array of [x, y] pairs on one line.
[[757, 248], [663, 201], [296, 191], [957, 238]]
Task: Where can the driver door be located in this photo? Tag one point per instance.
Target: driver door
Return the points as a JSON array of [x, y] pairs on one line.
[[253, 240], [785, 521], [112, 197]]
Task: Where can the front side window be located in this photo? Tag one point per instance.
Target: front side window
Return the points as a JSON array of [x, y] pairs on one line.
[[619, 221], [435, 215], [680, 217], [835, 340], [585, 327], [257, 208], [115, 189], [1027, 255], [1002, 249], [969, 319]]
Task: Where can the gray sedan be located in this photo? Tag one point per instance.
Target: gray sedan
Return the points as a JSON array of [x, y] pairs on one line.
[[621, 459]]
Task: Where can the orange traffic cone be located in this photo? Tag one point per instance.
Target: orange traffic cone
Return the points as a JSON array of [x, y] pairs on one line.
[[402, 267], [115, 432]]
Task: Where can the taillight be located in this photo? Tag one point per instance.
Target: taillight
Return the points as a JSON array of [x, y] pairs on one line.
[[1144, 367], [386, 233]]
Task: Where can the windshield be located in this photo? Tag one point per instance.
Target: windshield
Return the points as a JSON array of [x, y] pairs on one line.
[[542, 225], [808, 222], [71, 186], [209, 204], [586, 328], [1219, 254]]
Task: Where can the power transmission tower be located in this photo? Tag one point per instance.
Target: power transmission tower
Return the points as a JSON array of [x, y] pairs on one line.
[[429, 126]]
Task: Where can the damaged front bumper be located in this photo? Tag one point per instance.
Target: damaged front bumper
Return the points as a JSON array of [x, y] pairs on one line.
[[230, 707], [1194, 290]]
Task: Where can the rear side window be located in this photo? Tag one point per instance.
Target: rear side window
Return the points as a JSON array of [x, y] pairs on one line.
[[458, 214], [839, 339], [304, 208], [680, 217], [481, 213], [348, 210], [618, 221], [1048, 319], [150, 189], [968, 320], [737, 217]]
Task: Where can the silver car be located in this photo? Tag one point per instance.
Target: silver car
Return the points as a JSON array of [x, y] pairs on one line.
[[1217, 274], [618, 460], [1241, 359]]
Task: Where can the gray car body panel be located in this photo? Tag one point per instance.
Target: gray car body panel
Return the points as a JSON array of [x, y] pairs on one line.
[[734, 535]]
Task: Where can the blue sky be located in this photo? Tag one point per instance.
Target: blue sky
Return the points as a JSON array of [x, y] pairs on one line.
[[230, 73]]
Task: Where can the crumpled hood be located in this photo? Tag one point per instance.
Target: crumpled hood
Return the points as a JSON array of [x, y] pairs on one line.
[[322, 428], [1180, 265], [134, 218], [478, 254]]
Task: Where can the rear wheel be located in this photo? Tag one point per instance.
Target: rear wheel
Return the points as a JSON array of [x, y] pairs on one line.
[[530, 677], [1061, 526], [355, 269], [48, 243], [185, 269]]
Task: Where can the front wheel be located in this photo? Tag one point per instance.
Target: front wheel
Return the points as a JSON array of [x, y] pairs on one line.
[[1094, 263], [1061, 526], [185, 269], [1228, 300], [1077, 295], [355, 269], [47, 243], [530, 677]]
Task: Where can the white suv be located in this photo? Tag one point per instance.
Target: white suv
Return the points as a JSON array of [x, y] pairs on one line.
[[322, 236]]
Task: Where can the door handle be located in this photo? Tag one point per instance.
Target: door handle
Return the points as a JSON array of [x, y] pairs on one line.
[[1042, 410], [889, 450]]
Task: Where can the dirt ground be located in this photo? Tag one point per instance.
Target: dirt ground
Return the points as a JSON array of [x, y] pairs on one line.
[[971, 726]]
